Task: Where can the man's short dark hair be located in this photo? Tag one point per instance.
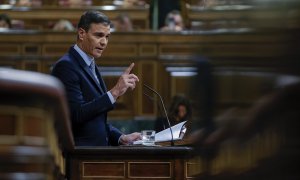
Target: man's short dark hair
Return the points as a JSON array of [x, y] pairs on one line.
[[90, 17]]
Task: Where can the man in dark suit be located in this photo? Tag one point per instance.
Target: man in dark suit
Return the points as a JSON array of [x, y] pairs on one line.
[[89, 101]]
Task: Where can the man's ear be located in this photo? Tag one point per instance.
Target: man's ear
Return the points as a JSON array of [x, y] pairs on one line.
[[81, 33]]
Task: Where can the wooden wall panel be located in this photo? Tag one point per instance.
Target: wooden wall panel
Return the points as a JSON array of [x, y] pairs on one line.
[[55, 49], [121, 50], [7, 124], [31, 49], [10, 49], [147, 50], [178, 49], [224, 83], [148, 72], [32, 65]]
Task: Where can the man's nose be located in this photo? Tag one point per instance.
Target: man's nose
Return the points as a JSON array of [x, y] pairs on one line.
[[103, 41]]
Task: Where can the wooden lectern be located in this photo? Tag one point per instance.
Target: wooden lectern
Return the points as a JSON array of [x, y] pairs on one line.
[[129, 162], [36, 139]]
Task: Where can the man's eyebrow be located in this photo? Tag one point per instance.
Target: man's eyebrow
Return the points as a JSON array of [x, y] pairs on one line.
[[101, 33]]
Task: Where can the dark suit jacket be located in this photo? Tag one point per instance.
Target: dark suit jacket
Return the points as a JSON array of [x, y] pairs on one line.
[[88, 102]]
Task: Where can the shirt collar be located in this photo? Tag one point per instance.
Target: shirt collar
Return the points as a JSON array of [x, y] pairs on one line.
[[87, 59]]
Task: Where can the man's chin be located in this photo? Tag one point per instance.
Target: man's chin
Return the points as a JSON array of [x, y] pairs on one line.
[[97, 55]]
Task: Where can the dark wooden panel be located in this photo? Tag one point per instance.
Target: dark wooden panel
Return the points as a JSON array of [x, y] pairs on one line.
[[31, 65], [149, 77], [225, 82], [181, 85], [55, 49], [31, 49], [10, 49], [150, 169], [192, 169], [225, 50], [121, 50], [103, 170], [8, 124], [34, 126], [147, 50]]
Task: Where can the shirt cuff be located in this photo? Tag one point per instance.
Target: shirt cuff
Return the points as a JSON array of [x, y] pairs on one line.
[[111, 98]]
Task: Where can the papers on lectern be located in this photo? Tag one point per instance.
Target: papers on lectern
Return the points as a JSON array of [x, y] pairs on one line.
[[165, 135]]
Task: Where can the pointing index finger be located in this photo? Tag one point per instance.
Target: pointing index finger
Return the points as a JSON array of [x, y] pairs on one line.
[[127, 71]]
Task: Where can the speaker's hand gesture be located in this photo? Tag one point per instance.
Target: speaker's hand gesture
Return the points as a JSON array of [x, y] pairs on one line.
[[127, 80]]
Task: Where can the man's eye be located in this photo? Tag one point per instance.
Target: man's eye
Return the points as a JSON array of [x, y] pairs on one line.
[[99, 35]]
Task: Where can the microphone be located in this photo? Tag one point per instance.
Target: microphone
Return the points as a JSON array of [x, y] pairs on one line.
[[166, 114]]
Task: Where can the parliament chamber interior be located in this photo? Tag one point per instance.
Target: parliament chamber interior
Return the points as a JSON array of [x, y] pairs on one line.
[[236, 61]]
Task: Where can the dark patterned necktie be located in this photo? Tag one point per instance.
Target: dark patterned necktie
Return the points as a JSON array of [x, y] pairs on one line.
[[93, 69]]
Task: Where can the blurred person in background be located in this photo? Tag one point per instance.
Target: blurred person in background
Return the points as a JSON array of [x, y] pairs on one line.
[[75, 3], [5, 21], [123, 23], [129, 3], [63, 25], [163, 7], [29, 3], [180, 110], [173, 22]]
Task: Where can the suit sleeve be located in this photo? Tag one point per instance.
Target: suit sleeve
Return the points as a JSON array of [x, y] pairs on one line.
[[114, 135], [80, 109]]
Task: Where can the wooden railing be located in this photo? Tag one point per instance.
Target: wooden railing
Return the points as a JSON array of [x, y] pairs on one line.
[[253, 15], [46, 16]]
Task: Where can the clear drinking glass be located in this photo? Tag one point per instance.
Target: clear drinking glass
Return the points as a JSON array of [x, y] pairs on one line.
[[148, 137]]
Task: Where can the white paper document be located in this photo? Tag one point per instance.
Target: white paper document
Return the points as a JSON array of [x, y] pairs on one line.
[[165, 135]]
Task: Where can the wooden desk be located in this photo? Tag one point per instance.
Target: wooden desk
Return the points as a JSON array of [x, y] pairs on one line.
[[130, 162]]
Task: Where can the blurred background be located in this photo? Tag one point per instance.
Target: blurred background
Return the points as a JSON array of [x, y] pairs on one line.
[[237, 62]]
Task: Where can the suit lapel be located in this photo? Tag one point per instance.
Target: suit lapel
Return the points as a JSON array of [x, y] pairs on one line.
[[87, 70]]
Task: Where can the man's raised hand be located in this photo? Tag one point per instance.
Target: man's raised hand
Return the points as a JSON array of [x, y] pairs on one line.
[[127, 80]]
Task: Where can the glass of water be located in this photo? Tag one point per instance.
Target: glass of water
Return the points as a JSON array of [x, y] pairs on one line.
[[148, 137]]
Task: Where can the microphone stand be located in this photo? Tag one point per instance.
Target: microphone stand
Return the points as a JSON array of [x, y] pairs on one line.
[[160, 110], [166, 114]]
